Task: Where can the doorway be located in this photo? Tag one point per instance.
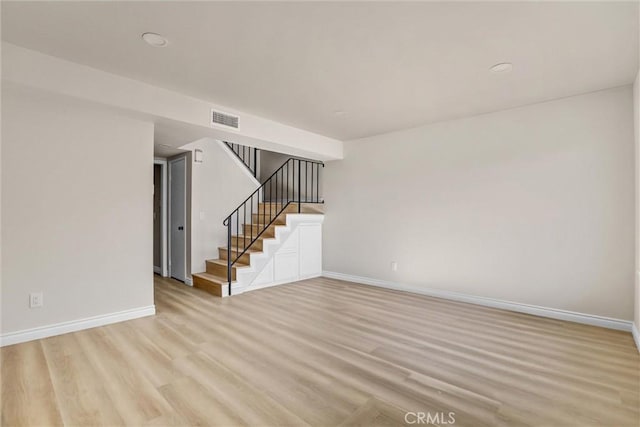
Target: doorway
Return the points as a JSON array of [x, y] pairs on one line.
[[160, 262], [178, 218]]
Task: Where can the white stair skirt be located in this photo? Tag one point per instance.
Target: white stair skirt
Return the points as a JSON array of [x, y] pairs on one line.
[[294, 254]]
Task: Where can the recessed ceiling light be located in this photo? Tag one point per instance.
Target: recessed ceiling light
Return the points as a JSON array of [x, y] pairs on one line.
[[155, 40], [503, 67], [339, 113]]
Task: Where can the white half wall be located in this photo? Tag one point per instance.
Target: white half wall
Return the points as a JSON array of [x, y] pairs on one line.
[[77, 193], [533, 205]]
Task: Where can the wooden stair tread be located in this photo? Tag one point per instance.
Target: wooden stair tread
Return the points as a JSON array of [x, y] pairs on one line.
[[242, 236], [223, 262], [212, 278], [237, 249]]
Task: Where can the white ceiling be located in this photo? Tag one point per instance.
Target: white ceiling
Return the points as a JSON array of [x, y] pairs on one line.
[[386, 65]]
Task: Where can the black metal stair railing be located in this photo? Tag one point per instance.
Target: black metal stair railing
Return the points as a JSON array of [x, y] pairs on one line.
[[247, 155], [296, 181]]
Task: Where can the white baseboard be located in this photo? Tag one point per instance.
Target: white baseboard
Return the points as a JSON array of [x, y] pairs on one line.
[[636, 335], [157, 270], [188, 281], [553, 313], [74, 325]]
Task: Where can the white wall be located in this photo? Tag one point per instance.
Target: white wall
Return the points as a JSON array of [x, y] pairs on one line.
[[76, 211], [636, 118], [533, 205], [0, 174], [219, 184]]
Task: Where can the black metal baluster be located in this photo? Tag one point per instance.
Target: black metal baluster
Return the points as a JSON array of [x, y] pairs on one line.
[[244, 232], [288, 182], [229, 254], [270, 198], [281, 190], [255, 162], [237, 227], [299, 187], [312, 182]]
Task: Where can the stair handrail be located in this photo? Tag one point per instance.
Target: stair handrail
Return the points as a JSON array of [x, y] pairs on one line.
[[290, 166]]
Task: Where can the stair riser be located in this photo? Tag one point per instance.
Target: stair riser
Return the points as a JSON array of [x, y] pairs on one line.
[[206, 285], [274, 206], [291, 208], [245, 258], [220, 270], [240, 242], [265, 219], [270, 232]]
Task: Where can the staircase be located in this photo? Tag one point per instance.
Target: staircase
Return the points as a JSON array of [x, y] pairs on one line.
[[260, 224]]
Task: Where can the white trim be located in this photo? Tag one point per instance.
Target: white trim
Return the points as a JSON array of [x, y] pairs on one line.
[[238, 162], [188, 281], [553, 313], [157, 270], [187, 229], [636, 335], [75, 325], [164, 268]]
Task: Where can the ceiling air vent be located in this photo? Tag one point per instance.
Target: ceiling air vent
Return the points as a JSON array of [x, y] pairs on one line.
[[219, 118]]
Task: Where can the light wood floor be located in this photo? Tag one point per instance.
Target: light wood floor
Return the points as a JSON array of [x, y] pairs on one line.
[[323, 352]]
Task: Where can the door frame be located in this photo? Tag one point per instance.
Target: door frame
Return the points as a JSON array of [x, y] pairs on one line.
[[186, 225], [164, 262]]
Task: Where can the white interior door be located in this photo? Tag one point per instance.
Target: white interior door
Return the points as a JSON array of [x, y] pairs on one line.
[[177, 220]]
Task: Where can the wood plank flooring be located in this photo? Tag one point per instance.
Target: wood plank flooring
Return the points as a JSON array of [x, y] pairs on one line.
[[323, 352]]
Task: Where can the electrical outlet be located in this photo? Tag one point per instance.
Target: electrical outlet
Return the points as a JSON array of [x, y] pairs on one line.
[[35, 300], [394, 266]]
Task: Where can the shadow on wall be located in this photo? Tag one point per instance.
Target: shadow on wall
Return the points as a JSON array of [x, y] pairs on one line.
[[311, 176]]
